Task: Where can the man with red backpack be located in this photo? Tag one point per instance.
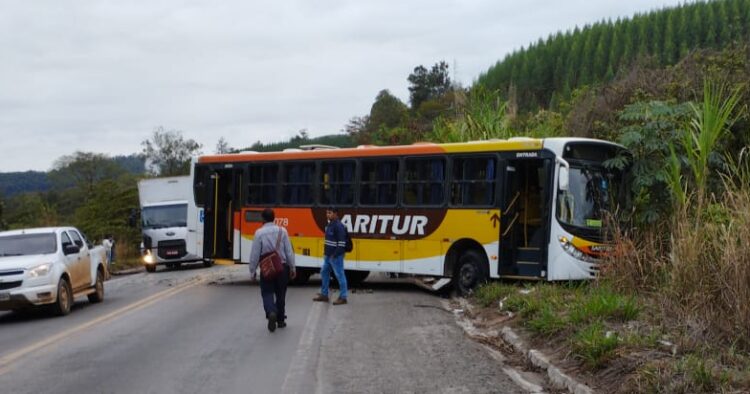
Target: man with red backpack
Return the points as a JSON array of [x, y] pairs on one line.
[[272, 238], [333, 260]]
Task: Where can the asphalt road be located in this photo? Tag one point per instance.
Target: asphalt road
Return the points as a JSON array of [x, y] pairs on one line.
[[201, 330]]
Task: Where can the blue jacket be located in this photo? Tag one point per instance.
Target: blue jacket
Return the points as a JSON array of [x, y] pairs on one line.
[[335, 239]]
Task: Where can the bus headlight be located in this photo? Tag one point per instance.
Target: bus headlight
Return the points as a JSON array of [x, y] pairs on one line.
[[40, 270], [570, 249]]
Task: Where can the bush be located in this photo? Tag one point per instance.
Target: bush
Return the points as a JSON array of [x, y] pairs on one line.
[[595, 345]]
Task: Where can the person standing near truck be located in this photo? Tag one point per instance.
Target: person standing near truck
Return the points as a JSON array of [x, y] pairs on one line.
[[109, 245]]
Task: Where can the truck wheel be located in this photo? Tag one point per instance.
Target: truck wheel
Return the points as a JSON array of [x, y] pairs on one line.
[[98, 295], [64, 298], [151, 267], [470, 272]]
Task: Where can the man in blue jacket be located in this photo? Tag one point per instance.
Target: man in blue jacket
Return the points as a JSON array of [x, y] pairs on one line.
[[333, 259]]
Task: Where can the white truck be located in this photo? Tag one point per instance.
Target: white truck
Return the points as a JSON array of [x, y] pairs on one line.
[[49, 266], [164, 209]]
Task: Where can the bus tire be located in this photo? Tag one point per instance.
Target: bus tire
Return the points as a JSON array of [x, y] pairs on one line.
[[471, 271], [303, 276], [355, 278]]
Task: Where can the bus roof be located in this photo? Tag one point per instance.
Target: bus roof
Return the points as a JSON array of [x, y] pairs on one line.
[[420, 148]]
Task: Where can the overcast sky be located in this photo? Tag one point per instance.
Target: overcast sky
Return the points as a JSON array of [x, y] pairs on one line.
[[99, 76]]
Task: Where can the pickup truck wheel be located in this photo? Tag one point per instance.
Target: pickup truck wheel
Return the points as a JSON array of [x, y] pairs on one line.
[[98, 295], [151, 267], [64, 298]]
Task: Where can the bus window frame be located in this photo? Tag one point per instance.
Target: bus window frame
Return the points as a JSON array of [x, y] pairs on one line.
[[277, 183], [401, 203], [283, 183], [499, 178], [355, 182], [199, 175], [399, 177]]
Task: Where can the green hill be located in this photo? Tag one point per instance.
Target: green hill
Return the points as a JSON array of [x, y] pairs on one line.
[[13, 183], [549, 70]]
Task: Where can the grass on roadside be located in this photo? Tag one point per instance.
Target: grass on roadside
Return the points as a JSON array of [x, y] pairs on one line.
[[595, 344], [599, 325], [582, 309]]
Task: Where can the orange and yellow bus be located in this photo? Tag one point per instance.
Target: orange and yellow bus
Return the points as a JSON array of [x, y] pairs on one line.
[[466, 212]]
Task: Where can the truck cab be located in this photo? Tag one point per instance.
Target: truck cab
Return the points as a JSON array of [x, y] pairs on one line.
[[164, 204]]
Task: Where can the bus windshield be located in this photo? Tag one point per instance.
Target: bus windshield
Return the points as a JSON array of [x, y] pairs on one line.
[[165, 216], [28, 244], [591, 194]]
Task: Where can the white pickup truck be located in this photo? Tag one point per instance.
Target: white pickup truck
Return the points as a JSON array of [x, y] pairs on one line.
[[49, 266]]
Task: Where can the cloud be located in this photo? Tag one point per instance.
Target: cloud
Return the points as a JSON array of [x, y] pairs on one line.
[[99, 76]]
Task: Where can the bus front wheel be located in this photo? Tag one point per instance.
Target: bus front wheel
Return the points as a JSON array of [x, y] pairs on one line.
[[471, 271]]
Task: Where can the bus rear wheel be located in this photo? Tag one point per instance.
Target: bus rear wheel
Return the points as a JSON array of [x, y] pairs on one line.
[[471, 271], [303, 276], [355, 278]]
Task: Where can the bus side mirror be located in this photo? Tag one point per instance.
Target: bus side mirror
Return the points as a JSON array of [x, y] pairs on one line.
[[563, 179]]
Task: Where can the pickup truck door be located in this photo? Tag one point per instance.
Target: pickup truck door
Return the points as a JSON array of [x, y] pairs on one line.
[[70, 260], [83, 264]]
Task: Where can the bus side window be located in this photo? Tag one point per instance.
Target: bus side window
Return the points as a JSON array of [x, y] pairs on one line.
[[423, 181], [473, 182], [263, 184], [298, 185], [336, 183], [199, 185], [379, 182]]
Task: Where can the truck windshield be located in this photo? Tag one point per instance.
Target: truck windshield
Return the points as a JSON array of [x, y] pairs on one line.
[[164, 216], [28, 244]]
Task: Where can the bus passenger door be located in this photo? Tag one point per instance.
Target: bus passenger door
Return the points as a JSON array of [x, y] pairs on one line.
[[524, 227], [209, 216], [235, 215], [225, 198], [508, 219]]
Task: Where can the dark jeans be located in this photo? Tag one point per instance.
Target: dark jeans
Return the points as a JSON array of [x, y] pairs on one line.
[[274, 294]]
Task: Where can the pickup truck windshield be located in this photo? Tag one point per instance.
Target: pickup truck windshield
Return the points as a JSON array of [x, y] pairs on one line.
[[28, 244], [164, 216]]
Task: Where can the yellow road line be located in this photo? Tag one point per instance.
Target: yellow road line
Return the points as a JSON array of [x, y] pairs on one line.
[[14, 356]]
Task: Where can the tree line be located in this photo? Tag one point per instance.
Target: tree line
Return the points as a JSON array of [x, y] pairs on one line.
[[544, 73]]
